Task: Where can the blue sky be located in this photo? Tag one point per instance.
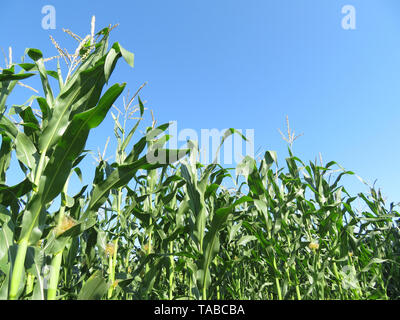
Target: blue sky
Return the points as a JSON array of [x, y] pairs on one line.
[[246, 65]]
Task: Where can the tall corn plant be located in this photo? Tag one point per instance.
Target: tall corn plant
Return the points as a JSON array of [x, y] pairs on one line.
[[8, 80], [112, 194], [56, 141]]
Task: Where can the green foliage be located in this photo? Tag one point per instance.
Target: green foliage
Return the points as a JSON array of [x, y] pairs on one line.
[[152, 230]]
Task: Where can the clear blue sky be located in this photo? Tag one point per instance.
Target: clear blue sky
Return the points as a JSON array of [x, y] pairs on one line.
[[248, 64]]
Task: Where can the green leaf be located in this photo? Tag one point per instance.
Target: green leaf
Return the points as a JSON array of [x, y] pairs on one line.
[[13, 193], [270, 157], [110, 62], [27, 66], [5, 156], [37, 56], [246, 167], [6, 238], [94, 288], [128, 56], [141, 106], [12, 77], [115, 52], [26, 151], [34, 54], [245, 239]]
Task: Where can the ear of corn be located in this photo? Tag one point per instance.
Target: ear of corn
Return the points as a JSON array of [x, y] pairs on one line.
[[172, 230]]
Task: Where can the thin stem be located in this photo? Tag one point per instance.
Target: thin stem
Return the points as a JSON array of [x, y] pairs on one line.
[[54, 275], [18, 269], [112, 263], [171, 271], [30, 279], [57, 258], [277, 284]]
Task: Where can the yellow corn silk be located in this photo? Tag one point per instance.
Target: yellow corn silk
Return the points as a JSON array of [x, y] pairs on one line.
[[110, 248], [66, 224], [313, 245]]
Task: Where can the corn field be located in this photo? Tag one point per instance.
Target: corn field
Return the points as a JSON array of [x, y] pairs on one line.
[[170, 230]]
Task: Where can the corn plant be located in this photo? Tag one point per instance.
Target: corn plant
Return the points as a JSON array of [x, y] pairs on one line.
[[173, 229]]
